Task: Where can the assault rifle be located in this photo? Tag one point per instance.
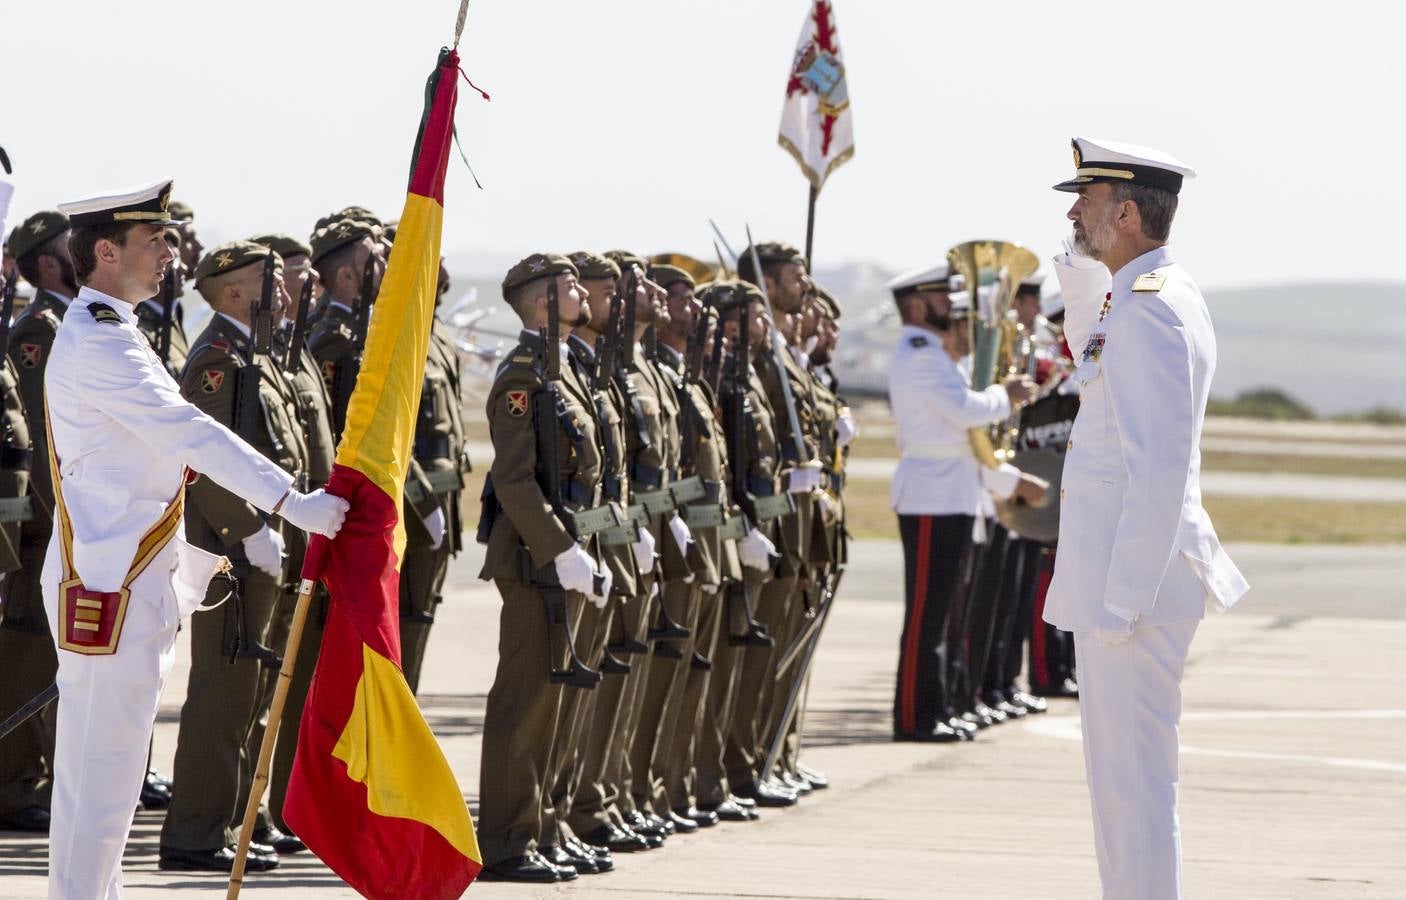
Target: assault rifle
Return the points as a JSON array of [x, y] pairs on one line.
[[293, 358], [168, 311], [548, 415]]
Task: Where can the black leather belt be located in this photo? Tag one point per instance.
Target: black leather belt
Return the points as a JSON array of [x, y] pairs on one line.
[[15, 458], [432, 448], [647, 476], [760, 487]]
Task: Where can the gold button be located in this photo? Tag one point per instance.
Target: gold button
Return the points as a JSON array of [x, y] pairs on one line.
[[224, 531]]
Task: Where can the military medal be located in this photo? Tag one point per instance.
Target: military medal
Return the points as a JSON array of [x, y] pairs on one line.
[[1094, 348]]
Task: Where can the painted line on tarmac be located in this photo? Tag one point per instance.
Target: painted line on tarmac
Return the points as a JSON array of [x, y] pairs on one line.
[[1067, 728]]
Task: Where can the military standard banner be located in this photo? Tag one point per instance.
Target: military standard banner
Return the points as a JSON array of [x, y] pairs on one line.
[[816, 124]]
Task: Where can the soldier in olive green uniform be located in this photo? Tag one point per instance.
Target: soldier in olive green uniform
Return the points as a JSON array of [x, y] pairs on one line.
[[151, 313], [223, 695], [580, 798], [703, 455], [441, 457], [532, 541], [40, 247], [787, 599], [314, 418]]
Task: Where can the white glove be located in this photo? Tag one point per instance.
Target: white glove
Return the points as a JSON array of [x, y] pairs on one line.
[[644, 551], [319, 512], [265, 551], [607, 579], [755, 550], [847, 427], [434, 524], [576, 570], [679, 529], [1112, 637], [804, 479]]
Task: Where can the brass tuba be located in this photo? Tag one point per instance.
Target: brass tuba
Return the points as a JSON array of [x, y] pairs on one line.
[[999, 266]]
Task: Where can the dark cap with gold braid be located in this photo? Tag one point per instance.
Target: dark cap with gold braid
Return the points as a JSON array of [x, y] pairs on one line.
[[147, 205], [1097, 161]]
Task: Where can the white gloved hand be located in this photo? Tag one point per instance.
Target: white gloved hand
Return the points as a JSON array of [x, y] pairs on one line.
[[804, 479], [607, 579], [319, 512], [755, 550], [644, 551], [1127, 620], [679, 529], [264, 548], [434, 524], [576, 570], [847, 427]]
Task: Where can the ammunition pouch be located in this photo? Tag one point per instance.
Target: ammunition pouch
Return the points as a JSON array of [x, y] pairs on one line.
[[16, 509]]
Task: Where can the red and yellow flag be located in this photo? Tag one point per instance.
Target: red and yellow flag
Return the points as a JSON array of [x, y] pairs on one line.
[[371, 792]]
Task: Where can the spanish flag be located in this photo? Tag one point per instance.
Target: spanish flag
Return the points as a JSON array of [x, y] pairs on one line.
[[371, 792]]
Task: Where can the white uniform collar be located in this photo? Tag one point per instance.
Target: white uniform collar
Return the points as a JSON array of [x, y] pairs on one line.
[[243, 329], [87, 295], [1153, 259], [339, 303]]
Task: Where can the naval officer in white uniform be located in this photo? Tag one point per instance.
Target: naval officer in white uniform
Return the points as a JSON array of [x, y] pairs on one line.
[[937, 491], [1138, 561], [119, 574]]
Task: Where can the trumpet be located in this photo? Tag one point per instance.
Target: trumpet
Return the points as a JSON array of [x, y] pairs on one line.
[[999, 266]]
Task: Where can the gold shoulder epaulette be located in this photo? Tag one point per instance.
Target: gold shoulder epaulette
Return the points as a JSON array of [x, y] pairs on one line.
[[1149, 283]]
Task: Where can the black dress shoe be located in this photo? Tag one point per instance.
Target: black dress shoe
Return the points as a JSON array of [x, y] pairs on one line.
[[728, 811], [966, 730], [682, 824], [155, 793], [817, 780], [221, 860], [975, 718], [1033, 705], [941, 733], [699, 817], [604, 862], [744, 802], [765, 795], [798, 786], [661, 823], [279, 840], [530, 868], [29, 818], [642, 826], [615, 840], [565, 858], [995, 715]]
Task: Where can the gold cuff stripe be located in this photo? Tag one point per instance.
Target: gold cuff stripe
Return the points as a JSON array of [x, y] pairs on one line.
[[1096, 172], [87, 615], [85, 603]]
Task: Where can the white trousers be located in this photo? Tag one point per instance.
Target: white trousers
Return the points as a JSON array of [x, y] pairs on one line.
[[1130, 704], [107, 706]]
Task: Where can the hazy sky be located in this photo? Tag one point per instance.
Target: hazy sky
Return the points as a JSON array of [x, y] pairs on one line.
[[630, 122]]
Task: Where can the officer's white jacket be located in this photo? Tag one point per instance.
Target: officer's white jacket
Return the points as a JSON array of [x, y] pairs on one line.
[[124, 435], [933, 408], [1133, 536]]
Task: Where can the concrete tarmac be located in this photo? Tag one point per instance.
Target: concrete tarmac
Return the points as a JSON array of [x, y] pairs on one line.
[[1293, 768]]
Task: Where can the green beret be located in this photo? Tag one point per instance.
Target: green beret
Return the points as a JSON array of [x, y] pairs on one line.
[[538, 265], [592, 265], [230, 257], [665, 275], [768, 253], [34, 232], [285, 245], [180, 211], [337, 235], [360, 214], [624, 259], [721, 295], [827, 303]]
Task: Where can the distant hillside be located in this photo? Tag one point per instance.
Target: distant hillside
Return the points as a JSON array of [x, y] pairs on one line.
[[1337, 347]]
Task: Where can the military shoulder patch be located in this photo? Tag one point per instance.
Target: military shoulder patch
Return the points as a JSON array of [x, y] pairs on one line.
[[1151, 282], [104, 314], [517, 403], [31, 355], [211, 380], [917, 341]]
